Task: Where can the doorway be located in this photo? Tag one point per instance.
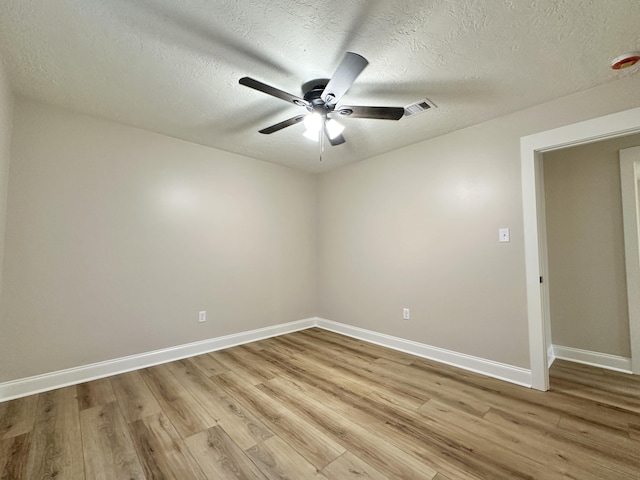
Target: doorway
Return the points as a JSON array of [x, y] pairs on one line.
[[531, 149], [585, 252], [630, 181]]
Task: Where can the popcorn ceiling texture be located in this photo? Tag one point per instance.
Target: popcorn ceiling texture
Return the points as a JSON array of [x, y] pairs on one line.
[[173, 67]]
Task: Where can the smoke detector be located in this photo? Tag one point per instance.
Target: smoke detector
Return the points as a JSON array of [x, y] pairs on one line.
[[625, 61]]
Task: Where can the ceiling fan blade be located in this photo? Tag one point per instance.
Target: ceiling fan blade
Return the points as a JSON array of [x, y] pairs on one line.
[[284, 124], [274, 92], [352, 65], [382, 113]]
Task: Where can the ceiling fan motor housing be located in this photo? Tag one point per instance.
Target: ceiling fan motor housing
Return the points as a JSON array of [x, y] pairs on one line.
[[313, 94]]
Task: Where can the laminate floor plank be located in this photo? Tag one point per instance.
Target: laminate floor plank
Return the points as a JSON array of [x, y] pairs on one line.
[[288, 364], [350, 467], [337, 342], [614, 438], [413, 377], [134, 397], [439, 476], [17, 416], [208, 365], [220, 458], [596, 376], [277, 461], [615, 399], [322, 367], [590, 376], [575, 453], [56, 448], [109, 453], [376, 351], [610, 451], [240, 363], [527, 411], [553, 401], [162, 452], [257, 345], [242, 426], [300, 344], [94, 393], [185, 413], [582, 409], [307, 440], [199, 386], [336, 365], [346, 353], [463, 399], [423, 440], [13, 456], [283, 345], [506, 447], [249, 357], [373, 449], [555, 456]]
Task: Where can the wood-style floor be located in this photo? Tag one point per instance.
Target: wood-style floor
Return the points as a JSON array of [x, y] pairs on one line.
[[317, 405]]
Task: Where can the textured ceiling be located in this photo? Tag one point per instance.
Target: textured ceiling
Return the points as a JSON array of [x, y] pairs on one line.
[[173, 66]]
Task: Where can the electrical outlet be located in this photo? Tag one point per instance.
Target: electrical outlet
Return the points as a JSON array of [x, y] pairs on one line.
[[406, 314], [202, 316]]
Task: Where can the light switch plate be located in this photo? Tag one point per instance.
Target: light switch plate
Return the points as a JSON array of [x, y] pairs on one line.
[[503, 235]]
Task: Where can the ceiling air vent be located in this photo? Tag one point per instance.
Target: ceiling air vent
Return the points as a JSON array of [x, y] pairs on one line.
[[418, 107]]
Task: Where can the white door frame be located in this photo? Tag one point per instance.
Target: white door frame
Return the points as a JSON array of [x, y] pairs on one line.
[[629, 170], [531, 149]]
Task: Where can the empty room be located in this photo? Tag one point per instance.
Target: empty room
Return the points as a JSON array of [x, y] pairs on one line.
[[328, 240]]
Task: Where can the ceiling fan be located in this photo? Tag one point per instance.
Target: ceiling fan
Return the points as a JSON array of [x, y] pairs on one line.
[[320, 98]]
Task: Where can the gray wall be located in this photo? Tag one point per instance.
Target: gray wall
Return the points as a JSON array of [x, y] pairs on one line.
[[418, 228], [117, 237], [585, 241], [6, 121]]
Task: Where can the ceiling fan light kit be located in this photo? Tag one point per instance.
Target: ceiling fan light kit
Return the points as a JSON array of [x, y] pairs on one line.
[[311, 135], [333, 128], [321, 97], [313, 122]]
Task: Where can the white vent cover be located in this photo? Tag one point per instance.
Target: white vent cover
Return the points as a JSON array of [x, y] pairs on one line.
[[418, 107]]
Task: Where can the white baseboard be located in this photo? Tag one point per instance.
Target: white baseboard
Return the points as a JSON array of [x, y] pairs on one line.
[[72, 376], [551, 356], [596, 359], [501, 371], [62, 378]]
